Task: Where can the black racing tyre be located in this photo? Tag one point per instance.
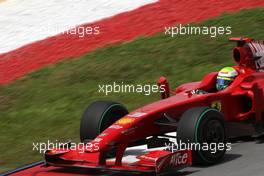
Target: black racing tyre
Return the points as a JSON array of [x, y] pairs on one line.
[[98, 116], [206, 127]]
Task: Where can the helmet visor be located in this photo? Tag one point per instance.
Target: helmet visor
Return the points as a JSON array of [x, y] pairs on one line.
[[223, 82]]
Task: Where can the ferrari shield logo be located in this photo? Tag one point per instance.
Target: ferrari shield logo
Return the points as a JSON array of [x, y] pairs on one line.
[[216, 105]]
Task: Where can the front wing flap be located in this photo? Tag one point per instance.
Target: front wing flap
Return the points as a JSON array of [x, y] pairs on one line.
[[157, 161]]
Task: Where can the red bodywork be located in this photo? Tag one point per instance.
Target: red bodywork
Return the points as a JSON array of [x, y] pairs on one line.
[[241, 101]]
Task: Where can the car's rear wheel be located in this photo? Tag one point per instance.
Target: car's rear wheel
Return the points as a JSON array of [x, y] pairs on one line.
[[98, 116], [204, 127]]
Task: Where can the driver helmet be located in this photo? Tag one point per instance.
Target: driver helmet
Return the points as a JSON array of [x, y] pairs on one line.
[[225, 77]]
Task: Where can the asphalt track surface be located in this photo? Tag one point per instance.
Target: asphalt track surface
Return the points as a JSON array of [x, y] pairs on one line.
[[245, 159]]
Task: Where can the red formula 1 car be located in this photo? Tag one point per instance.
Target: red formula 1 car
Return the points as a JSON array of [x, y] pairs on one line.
[[109, 130]]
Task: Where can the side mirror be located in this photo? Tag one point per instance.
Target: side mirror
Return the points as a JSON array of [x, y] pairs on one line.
[[164, 87]]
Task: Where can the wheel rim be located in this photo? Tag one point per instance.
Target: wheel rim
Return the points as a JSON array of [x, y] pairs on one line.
[[213, 133]]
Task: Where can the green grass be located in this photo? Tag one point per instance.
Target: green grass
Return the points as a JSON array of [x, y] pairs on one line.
[[48, 104]]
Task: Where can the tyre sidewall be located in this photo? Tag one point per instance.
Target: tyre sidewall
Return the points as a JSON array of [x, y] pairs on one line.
[[98, 116], [190, 129]]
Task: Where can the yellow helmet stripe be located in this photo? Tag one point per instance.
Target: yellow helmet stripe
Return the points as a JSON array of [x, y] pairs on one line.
[[225, 78]]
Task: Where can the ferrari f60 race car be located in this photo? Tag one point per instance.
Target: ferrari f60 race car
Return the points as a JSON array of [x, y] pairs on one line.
[[110, 129]]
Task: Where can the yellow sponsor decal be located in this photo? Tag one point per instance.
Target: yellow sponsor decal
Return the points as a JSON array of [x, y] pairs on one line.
[[125, 120], [216, 105]]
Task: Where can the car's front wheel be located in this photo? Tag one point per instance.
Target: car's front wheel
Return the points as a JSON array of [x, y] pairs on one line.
[[98, 116]]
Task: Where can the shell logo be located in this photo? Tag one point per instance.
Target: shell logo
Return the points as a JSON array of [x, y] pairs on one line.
[[124, 121]]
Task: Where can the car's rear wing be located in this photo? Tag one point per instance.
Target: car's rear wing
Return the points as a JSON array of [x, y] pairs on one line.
[[249, 52], [257, 49]]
